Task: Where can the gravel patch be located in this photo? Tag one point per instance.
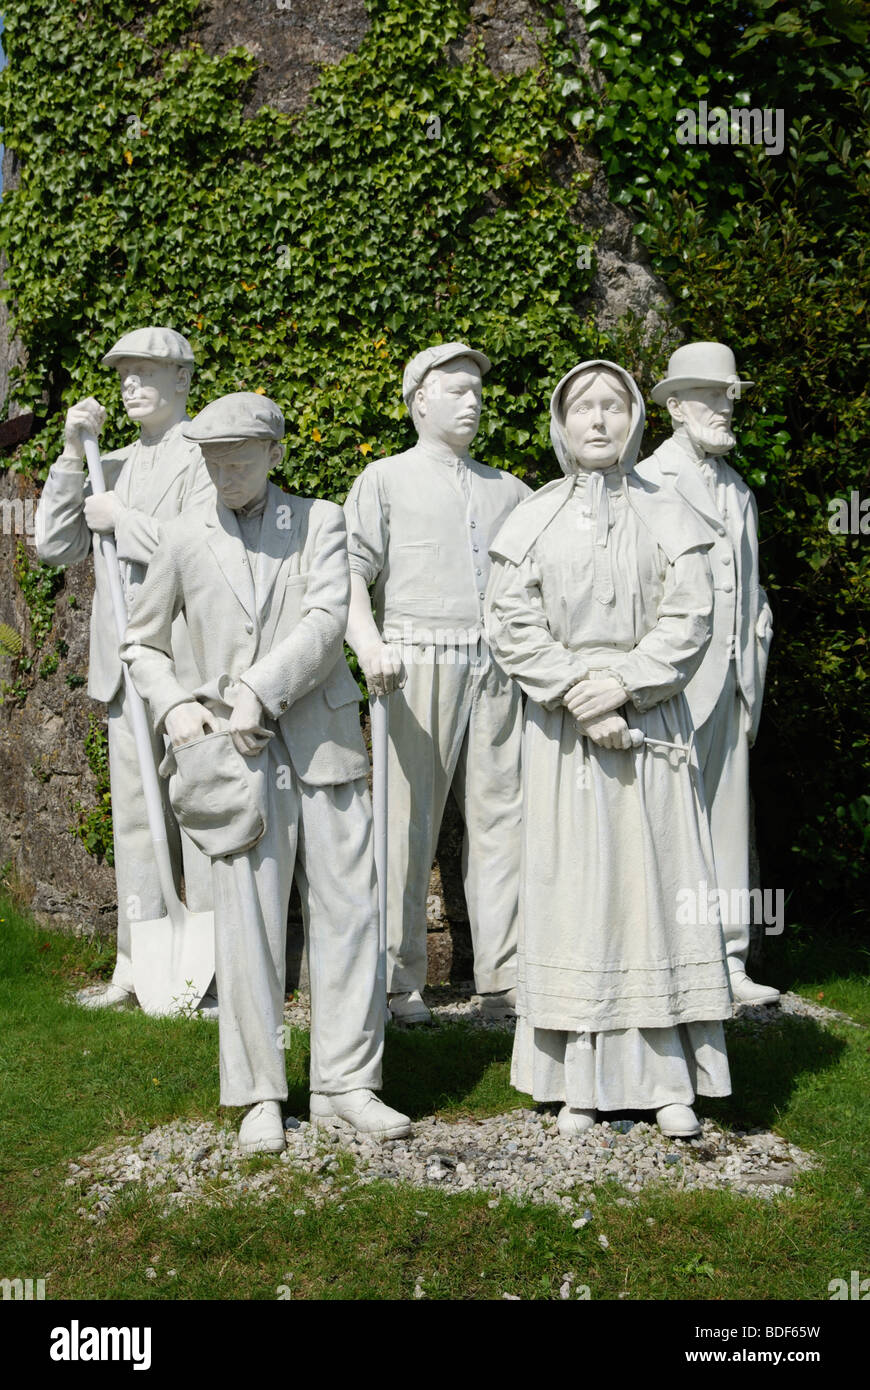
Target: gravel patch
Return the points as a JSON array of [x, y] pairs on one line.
[[794, 1005], [519, 1155]]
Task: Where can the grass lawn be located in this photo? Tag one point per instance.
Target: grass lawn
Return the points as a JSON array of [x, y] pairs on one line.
[[71, 1080]]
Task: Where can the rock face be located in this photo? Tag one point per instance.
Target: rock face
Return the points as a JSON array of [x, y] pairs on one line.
[[290, 39], [45, 771]]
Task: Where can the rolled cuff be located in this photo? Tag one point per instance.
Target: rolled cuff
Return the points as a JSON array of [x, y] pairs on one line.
[[360, 566]]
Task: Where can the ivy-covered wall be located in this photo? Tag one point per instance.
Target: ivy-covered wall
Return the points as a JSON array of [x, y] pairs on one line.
[[434, 187]]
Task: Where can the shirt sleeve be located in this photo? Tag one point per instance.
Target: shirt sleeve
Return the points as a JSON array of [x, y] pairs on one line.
[[669, 654], [147, 645], [520, 636], [137, 533], [367, 529], [63, 537]]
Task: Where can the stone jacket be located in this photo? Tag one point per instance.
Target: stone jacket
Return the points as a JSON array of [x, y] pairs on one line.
[[740, 607], [284, 637], [420, 531], [152, 486]]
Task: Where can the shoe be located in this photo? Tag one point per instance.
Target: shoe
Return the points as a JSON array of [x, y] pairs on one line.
[[746, 991], [362, 1111], [499, 1004], [262, 1129], [108, 997], [570, 1121], [409, 1008], [208, 1007], [678, 1121]]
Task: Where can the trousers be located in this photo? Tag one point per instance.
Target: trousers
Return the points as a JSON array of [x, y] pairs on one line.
[[324, 836], [456, 724], [722, 742], [136, 880]]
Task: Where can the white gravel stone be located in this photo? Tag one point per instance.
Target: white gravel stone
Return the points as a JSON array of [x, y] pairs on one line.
[[197, 1161], [520, 1153]]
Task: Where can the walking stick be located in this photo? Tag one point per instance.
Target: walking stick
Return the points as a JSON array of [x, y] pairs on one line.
[[380, 734], [173, 956]]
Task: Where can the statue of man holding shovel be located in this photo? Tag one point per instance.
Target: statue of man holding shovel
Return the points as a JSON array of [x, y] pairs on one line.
[[149, 483]]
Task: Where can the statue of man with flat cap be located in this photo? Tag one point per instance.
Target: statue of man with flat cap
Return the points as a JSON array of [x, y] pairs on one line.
[[149, 482], [726, 691], [270, 769], [419, 528]]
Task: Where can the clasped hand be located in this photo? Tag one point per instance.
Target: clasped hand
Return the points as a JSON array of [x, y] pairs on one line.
[[592, 702], [192, 720], [593, 697]]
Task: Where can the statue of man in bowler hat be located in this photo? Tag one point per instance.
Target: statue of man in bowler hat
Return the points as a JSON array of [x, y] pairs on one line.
[[726, 691]]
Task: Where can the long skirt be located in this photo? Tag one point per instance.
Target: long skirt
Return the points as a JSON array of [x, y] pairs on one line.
[[622, 982]]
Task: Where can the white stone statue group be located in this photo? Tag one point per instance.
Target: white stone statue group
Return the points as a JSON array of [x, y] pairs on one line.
[[622, 601]]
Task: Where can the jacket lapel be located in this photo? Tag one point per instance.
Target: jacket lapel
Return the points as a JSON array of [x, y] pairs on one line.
[[687, 480], [171, 465], [226, 544], [276, 538]]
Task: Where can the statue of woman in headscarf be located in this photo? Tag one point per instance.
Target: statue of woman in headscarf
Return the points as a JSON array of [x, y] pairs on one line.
[[599, 606]]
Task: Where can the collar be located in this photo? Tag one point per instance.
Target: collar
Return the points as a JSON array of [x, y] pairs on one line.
[[173, 430], [687, 445], [443, 454], [255, 508]]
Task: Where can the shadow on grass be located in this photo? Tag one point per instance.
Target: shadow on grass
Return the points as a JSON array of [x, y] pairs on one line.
[[449, 1068], [767, 1067], [830, 969], [79, 1071]]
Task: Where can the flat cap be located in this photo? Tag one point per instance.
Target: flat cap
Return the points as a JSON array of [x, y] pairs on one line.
[[153, 344], [436, 357], [230, 419]]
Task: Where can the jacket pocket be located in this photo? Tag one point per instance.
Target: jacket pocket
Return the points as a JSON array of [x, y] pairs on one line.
[[341, 688]]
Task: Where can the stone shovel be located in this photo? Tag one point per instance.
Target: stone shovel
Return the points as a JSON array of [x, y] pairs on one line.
[[173, 956]]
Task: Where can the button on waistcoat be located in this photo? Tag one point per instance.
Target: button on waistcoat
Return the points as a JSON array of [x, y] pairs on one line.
[[433, 583]]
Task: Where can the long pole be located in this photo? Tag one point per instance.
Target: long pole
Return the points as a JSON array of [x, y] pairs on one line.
[[380, 808], [139, 719]]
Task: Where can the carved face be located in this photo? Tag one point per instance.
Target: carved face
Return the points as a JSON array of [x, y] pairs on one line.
[[705, 412], [152, 392], [447, 404], [596, 418], [240, 471]]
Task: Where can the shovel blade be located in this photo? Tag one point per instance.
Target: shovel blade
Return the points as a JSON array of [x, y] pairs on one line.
[[173, 962]]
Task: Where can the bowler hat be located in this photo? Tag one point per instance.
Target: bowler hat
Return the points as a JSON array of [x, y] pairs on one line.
[[698, 364], [436, 357], [152, 344]]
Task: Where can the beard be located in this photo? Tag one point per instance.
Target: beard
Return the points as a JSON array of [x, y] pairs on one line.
[[714, 441]]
